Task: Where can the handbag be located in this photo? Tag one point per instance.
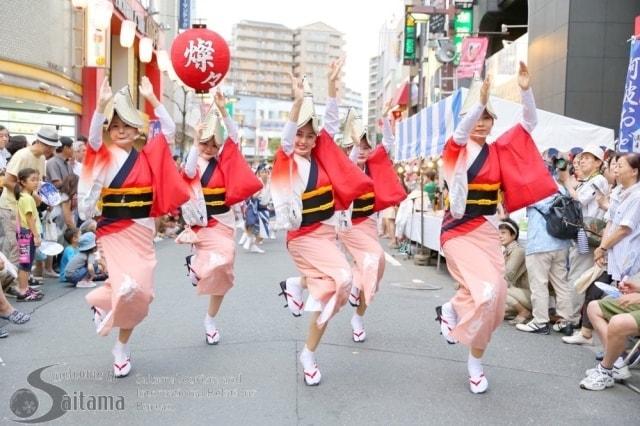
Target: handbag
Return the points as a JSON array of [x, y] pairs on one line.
[[188, 236], [24, 243]]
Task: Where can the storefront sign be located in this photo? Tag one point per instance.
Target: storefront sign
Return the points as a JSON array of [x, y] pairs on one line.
[[462, 25]]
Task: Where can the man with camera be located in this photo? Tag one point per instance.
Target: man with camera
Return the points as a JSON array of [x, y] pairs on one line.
[[586, 190]]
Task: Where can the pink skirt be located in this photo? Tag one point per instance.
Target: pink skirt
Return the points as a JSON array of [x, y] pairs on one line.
[[361, 241], [328, 274], [131, 259], [476, 262], [215, 254]]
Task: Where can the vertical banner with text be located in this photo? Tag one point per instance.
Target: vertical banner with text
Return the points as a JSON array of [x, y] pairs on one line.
[[184, 14], [630, 117]]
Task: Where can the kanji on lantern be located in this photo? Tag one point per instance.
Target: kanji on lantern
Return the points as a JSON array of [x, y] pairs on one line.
[[200, 58]]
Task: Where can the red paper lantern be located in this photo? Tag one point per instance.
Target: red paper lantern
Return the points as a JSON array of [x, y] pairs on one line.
[[200, 57]]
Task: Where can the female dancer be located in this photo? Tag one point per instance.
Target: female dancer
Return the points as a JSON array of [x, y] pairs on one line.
[[311, 172], [361, 239], [219, 171], [131, 187], [471, 243]]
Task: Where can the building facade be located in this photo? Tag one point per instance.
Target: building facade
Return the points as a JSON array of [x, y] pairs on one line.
[[51, 73], [262, 55], [315, 46], [39, 80]]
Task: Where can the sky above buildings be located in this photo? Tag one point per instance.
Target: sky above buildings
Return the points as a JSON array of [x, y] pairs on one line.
[[359, 20]]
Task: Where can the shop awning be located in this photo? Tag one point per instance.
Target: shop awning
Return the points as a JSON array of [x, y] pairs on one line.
[[401, 97]]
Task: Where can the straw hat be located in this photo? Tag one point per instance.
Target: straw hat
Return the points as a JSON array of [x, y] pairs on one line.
[[212, 127], [307, 111], [122, 104], [353, 128], [473, 98]]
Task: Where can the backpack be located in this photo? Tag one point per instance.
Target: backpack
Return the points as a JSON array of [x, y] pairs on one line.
[[564, 217]]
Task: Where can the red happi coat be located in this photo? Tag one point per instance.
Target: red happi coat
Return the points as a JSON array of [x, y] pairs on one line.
[[334, 168], [152, 166], [233, 173], [387, 189], [513, 161]]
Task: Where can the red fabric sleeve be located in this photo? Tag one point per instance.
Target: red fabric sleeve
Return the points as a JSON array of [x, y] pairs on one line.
[[170, 190], [347, 179], [239, 180], [525, 178], [386, 183]]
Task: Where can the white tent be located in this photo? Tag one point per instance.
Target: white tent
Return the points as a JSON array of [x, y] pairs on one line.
[[553, 130], [424, 134]]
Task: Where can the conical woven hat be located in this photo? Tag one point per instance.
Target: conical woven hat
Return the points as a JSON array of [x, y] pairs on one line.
[[307, 110], [353, 128], [212, 127], [122, 104], [473, 97]]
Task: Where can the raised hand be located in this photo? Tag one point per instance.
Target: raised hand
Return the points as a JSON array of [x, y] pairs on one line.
[[387, 108], [297, 88], [335, 67], [146, 90], [105, 94], [484, 90], [220, 101], [523, 76]]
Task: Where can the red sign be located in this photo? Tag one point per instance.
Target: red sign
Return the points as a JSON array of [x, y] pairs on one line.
[[474, 50], [200, 58], [637, 27]]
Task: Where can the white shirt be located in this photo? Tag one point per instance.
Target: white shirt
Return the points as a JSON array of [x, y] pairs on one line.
[[587, 195], [4, 158], [624, 257]]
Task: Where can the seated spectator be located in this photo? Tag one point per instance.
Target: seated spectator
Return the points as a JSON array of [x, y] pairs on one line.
[[614, 320], [518, 294], [72, 238], [83, 268], [7, 312]]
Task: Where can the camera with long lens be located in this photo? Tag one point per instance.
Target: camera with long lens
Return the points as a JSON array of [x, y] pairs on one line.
[[560, 164]]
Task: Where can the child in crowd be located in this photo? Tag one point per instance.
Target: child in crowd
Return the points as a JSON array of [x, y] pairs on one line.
[[29, 231], [72, 238], [83, 268]]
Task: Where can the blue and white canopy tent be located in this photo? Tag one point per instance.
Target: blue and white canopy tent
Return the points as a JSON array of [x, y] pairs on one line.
[[424, 134]]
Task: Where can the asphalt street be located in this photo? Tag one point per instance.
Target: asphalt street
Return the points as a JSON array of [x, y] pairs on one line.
[[403, 374]]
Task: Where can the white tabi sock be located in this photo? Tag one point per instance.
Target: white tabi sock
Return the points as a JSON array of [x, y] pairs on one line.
[[308, 359], [120, 351], [474, 365], [209, 323], [294, 282], [357, 322]]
